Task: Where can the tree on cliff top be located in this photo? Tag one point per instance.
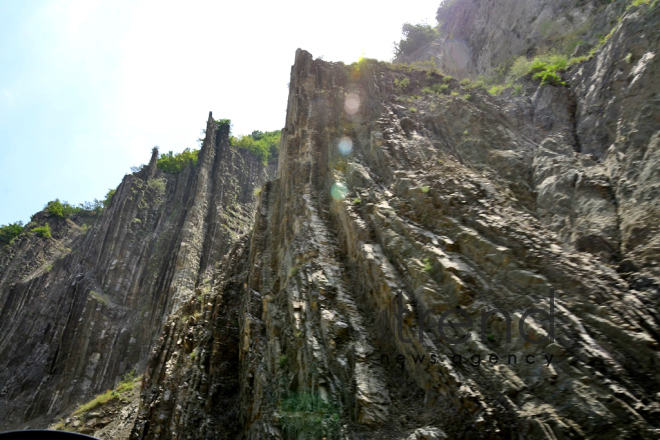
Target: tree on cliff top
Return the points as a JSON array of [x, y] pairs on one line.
[[262, 144], [414, 37], [175, 163]]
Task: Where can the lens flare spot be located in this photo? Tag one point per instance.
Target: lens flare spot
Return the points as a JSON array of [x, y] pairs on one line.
[[338, 191], [345, 146], [352, 103]]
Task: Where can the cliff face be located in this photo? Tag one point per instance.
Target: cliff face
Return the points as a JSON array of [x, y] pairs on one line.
[[83, 308], [492, 206], [422, 266], [478, 37]]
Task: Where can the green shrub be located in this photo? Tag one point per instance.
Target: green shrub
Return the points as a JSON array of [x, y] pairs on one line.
[[402, 84], [264, 145], [223, 122], [480, 83], [108, 197], [42, 231], [437, 88], [175, 163], [520, 67], [497, 90], [549, 77], [428, 267], [542, 67], [128, 382], [157, 185], [55, 208], [64, 209], [10, 231], [306, 416]]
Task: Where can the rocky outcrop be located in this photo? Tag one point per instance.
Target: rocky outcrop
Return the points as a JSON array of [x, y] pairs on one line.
[[422, 266], [438, 207], [109, 416], [617, 115], [393, 230], [191, 384], [81, 309], [478, 37]]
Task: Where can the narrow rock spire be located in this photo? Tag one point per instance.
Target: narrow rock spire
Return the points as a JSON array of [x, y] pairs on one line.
[[153, 162]]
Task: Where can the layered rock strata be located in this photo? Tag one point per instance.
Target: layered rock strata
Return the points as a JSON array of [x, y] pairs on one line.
[[81, 309], [442, 211], [429, 265]]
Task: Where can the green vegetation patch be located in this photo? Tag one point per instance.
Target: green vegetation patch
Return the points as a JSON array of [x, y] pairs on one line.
[[125, 386], [108, 198], [438, 89], [544, 68], [9, 232], [497, 89], [402, 84], [428, 266], [306, 415], [263, 144], [56, 209], [157, 185], [175, 163], [63, 209], [42, 231]]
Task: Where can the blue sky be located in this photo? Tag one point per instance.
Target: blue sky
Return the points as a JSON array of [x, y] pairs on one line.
[[87, 88]]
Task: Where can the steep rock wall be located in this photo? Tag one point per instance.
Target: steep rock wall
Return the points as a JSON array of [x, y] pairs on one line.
[[380, 206], [480, 36], [389, 200], [90, 311]]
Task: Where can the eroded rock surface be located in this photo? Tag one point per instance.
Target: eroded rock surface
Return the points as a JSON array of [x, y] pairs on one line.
[[323, 318], [81, 309], [484, 204], [478, 37]]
